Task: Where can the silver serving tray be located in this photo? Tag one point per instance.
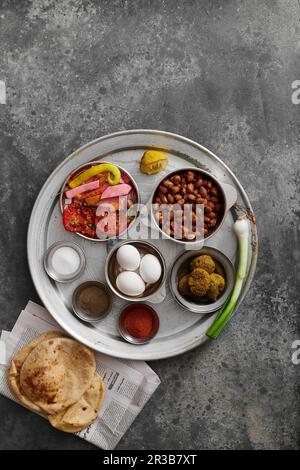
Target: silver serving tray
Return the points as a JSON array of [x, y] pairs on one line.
[[180, 330]]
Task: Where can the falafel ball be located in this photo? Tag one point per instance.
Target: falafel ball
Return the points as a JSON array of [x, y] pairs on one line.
[[219, 269], [199, 282], [183, 285], [217, 286], [205, 262]]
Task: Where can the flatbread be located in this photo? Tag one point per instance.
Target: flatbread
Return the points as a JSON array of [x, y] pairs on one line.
[[83, 413], [56, 373], [13, 374]]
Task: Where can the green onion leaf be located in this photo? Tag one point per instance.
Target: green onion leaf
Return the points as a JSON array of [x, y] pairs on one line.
[[241, 229]]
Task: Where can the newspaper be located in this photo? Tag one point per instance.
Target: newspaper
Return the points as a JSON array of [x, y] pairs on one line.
[[129, 384]]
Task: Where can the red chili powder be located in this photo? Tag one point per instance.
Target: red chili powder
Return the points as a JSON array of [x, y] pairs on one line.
[[138, 321]]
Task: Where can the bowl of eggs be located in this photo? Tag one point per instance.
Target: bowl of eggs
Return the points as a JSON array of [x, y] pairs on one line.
[[135, 270]]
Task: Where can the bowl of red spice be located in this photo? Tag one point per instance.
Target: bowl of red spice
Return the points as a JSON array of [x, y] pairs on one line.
[[138, 323]]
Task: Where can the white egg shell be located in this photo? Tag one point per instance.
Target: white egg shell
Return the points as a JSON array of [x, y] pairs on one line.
[[128, 257], [150, 269], [130, 283]]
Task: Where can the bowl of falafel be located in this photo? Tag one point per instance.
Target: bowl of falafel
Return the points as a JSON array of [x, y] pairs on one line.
[[201, 281]]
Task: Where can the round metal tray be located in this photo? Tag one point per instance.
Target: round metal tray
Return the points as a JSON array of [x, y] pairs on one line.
[[180, 330]]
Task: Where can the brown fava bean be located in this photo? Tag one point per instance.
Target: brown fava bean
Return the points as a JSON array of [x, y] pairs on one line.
[[213, 223], [190, 176], [211, 204], [185, 230], [168, 184], [163, 199], [158, 216], [175, 189], [170, 198], [191, 197], [176, 179], [177, 197], [207, 209], [203, 191], [213, 199], [157, 200], [209, 184], [206, 219], [190, 188], [201, 200], [163, 189], [212, 215], [190, 236]]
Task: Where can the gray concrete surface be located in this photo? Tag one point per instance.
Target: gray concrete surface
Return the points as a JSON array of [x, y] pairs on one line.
[[219, 72]]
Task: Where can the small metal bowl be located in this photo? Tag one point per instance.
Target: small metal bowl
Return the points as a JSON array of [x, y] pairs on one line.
[[50, 269], [112, 270], [181, 266], [92, 163], [229, 196], [132, 339], [82, 314]]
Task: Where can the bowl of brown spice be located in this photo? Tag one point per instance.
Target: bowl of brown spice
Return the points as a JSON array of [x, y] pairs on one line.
[[91, 301]]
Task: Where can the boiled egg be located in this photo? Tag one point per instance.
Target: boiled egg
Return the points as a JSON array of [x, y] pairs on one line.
[[130, 283], [128, 257], [150, 269]]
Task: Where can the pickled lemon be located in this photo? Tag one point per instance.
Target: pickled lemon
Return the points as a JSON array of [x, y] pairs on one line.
[[153, 162]]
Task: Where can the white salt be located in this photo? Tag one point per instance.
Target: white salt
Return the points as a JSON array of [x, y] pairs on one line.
[[65, 260]]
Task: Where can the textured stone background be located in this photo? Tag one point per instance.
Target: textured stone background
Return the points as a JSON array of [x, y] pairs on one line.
[[219, 72]]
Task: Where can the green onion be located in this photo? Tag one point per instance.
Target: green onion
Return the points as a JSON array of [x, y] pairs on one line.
[[241, 229]]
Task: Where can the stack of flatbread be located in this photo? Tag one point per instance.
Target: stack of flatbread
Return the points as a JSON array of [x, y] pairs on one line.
[[56, 376]]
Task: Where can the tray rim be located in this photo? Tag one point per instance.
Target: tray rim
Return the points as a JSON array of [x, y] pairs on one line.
[[254, 233]]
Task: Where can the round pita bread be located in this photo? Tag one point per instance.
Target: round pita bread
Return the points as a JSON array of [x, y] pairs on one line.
[[84, 412], [56, 373], [13, 374]]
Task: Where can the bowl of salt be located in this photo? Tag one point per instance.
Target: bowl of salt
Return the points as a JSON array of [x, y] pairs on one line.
[[64, 261]]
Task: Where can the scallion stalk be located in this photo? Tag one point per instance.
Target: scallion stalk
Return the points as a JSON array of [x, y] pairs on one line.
[[241, 229]]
